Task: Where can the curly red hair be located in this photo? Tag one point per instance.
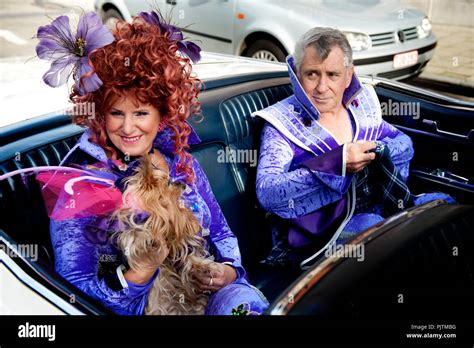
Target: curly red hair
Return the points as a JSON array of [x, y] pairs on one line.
[[143, 62]]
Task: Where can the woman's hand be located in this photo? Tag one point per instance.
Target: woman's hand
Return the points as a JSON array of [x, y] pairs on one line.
[[219, 276], [357, 157]]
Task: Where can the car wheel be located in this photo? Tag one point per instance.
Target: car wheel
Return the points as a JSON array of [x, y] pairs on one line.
[[266, 50], [110, 17]]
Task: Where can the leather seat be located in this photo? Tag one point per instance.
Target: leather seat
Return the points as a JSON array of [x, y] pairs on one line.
[[227, 125], [23, 213]]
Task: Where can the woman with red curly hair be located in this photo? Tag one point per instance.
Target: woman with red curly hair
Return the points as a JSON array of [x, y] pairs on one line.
[[134, 90]]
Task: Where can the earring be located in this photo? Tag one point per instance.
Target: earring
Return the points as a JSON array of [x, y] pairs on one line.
[[161, 126]]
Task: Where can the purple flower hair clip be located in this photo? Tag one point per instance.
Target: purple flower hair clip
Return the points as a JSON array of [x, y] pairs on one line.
[[188, 48], [69, 52]]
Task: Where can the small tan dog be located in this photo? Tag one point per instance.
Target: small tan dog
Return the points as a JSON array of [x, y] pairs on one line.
[[167, 238]]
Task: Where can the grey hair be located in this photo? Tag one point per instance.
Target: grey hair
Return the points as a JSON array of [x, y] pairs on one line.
[[323, 40]]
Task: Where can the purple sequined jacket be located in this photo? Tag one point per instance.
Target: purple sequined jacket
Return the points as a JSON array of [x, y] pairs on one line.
[[83, 252]]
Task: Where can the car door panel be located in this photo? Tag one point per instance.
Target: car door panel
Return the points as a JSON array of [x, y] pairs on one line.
[[29, 284], [443, 138]]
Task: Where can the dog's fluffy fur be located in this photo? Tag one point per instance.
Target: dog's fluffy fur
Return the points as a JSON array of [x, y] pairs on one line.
[[169, 233]]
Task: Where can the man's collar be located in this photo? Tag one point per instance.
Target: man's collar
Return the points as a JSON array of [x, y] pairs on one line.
[[350, 93]]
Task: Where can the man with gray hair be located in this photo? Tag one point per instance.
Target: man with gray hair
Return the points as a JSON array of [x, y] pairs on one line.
[[316, 149]]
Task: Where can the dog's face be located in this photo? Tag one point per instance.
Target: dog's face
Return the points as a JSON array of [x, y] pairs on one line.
[[167, 239], [169, 224]]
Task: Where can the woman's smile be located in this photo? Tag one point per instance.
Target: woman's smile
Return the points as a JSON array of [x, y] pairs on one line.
[[131, 140]]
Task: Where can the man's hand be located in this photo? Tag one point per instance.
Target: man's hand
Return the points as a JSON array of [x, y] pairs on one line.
[[357, 158], [219, 276]]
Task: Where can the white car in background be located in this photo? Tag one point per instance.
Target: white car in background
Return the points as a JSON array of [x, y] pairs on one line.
[[388, 39]]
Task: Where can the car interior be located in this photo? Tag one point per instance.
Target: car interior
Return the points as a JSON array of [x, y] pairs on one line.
[[443, 147], [421, 268]]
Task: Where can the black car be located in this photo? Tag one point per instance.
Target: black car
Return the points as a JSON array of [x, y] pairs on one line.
[[418, 256]]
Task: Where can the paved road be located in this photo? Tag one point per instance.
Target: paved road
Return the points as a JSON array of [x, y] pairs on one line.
[[19, 21]]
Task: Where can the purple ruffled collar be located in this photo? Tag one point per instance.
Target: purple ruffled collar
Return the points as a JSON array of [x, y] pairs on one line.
[[164, 141]]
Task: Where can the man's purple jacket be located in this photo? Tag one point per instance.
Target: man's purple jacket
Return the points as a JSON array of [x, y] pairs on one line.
[[301, 173]]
